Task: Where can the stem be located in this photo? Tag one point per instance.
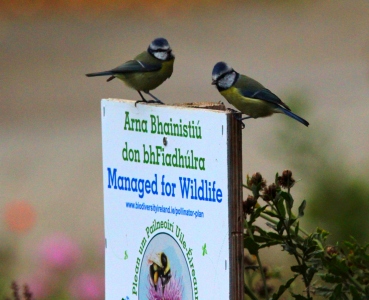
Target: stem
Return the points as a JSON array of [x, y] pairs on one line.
[[259, 261], [262, 276], [289, 240], [356, 283], [245, 186], [248, 290], [268, 218]]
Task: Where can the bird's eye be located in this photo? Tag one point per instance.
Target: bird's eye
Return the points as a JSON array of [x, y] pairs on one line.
[[163, 50]]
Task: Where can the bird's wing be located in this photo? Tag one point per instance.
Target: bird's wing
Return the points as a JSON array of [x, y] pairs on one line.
[[264, 94], [133, 66], [250, 88]]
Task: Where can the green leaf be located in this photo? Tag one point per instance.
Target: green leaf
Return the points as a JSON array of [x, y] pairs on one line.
[[338, 293], [302, 208], [310, 272], [331, 278], [323, 291], [322, 233], [261, 239], [256, 214], [367, 290], [280, 227], [319, 244], [297, 228], [290, 249], [271, 213], [283, 288], [280, 208], [337, 266], [271, 226], [259, 210], [315, 254], [261, 231], [289, 200], [291, 221], [299, 297], [269, 244], [251, 246], [300, 269], [308, 251], [275, 236], [354, 293]]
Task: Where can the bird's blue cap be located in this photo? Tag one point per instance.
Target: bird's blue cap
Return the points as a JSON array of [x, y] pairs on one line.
[[159, 43], [219, 69]]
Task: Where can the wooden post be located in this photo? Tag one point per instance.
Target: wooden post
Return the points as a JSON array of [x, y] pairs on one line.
[[235, 208]]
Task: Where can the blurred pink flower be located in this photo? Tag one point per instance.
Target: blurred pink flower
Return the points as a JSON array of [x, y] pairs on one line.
[[88, 286], [41, 283], [59, 252]]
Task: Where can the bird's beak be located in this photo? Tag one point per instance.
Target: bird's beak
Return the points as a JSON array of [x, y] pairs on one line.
[[214, 82]]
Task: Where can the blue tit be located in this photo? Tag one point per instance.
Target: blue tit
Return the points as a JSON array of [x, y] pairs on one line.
[[248, 95], [146, 71]]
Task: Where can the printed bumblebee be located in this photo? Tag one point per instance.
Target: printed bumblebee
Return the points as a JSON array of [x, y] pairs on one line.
[[159, 269]]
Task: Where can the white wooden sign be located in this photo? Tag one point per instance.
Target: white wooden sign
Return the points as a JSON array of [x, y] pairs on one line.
[[166, 201]]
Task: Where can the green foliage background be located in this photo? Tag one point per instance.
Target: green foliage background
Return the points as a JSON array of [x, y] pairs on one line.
[[337, 194]]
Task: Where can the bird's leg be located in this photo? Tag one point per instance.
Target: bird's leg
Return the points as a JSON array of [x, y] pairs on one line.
[[242, 123], [143, 99], [156, 100], [239, 119]]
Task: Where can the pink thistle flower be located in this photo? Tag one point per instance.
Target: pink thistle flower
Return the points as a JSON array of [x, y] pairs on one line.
[[172, 291]]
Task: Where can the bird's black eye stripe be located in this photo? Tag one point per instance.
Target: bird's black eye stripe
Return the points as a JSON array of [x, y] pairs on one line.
[[161, 50], [227, 73], [224, 75]]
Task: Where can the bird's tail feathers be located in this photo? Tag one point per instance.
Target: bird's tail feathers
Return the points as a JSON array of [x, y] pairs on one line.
[[105, 73], [293, 116]]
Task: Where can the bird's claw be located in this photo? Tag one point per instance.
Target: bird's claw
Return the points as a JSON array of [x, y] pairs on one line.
[[149, 101], [233, 111], [138, 101], [158, 101], [154, 101], [239, 119]]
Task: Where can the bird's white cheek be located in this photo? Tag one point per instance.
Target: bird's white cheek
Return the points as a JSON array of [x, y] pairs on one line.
[[161, 55], [227, 81]]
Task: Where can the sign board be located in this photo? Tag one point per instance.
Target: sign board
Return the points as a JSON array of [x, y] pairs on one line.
[[172, 201]]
